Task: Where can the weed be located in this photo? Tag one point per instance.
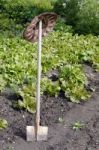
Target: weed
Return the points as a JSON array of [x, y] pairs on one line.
[[78, 125], [3, 124]]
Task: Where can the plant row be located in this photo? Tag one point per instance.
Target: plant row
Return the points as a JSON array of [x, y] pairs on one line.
[[62, 53]]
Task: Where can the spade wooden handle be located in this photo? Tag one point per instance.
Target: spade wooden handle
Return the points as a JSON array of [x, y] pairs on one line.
[[39, 74]]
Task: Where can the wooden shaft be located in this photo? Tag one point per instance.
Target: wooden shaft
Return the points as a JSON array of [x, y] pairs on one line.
[[39, 75]]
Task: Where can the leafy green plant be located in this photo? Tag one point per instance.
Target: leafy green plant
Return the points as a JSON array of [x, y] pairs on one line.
[[28, 94], [2, 83], [78, 125], [73, 81], [52, 88], [95, 60], [3, 124]]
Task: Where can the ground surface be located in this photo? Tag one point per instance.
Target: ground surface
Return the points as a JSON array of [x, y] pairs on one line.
[[61, 135]]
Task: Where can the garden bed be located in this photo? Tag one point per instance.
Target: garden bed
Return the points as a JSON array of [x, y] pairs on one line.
[[60, 116]]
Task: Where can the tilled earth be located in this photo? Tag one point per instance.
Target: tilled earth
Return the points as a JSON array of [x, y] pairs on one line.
[[59, 115]]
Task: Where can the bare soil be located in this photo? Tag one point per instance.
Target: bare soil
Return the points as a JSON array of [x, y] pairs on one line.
[[59, 115]]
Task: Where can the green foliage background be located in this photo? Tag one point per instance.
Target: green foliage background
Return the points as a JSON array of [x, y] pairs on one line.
[[83, 15]]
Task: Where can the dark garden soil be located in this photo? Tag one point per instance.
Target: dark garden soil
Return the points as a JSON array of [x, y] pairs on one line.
[[59, 115]]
